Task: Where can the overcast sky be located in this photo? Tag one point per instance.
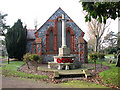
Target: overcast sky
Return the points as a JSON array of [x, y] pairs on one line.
[[30, 10]]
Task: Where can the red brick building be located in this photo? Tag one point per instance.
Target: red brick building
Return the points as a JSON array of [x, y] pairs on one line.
[[47, 40]]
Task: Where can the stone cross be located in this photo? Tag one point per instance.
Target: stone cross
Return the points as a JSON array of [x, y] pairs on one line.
[[63, 31]]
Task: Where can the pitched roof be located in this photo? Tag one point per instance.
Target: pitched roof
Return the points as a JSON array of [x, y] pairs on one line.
[[31, 33], [58, 13]]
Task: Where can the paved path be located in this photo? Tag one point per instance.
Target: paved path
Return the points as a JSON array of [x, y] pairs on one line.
[[8, 82]]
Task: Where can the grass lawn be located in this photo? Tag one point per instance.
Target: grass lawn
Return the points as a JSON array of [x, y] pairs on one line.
[[111, 76], [81, 84], [3, 57], [11, 70]]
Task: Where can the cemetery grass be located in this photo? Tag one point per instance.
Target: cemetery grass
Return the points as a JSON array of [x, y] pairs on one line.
[[110, 77], [3, 57], [81, 84], [11, 70]]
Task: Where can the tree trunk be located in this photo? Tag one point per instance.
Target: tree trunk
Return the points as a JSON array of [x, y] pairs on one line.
[[118, 43], [27, 65], [101, 63], [118, 61], [96, 43], [36, 66], [95, 65], [8, 60]]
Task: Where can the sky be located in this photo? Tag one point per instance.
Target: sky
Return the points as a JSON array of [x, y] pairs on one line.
[[31, 10]]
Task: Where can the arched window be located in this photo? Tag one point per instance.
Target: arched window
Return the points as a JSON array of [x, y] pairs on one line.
[[68, 39], [59, 34], [51, 41]]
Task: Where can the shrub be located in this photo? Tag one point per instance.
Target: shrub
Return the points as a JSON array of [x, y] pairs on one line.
[[32, 58], [94, 56], [35, 58], [110, 50], [26, 59], [101, 55]]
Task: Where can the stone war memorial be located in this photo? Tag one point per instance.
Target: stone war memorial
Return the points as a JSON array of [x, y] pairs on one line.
[[59, 41]]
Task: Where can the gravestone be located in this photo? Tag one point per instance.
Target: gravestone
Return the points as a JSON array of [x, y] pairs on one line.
[[114, 55], [111, 61]]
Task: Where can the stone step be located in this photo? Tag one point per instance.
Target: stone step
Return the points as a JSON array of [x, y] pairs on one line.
[[72, 74], [87, 74]]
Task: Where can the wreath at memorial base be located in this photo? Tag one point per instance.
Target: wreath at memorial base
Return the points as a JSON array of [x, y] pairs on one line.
[[70, 59], [58, 60], [67, 60], [64, 60]]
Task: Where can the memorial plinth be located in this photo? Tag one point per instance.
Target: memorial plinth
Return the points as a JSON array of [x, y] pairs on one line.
[[64, 53]]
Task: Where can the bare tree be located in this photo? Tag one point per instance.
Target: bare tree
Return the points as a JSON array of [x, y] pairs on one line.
[[111, 39], [96, 30]]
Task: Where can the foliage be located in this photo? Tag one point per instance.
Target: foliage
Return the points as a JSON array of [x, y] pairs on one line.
[[118, 52], [16, 39], [11, 70], [93, 56], [101, 55], [110, 50], [110, 40], [30, 58], [96, 32], [35, 57], [26, 58], [3, 25], [101, 10]]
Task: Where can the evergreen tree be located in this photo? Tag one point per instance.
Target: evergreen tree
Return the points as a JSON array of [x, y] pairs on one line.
[[16, 39]]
